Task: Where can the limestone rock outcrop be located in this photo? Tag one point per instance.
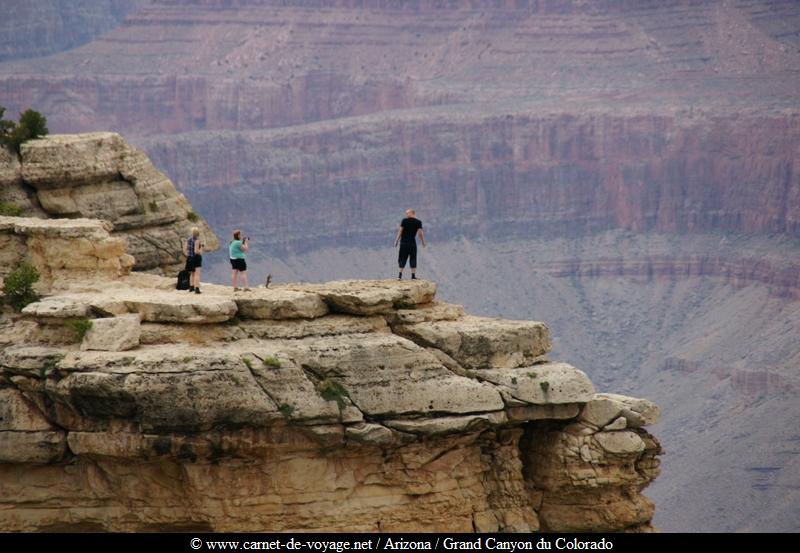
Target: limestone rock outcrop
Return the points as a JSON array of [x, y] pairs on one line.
[[100, 176], [305, 407]]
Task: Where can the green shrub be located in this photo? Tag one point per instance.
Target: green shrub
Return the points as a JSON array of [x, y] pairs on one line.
[[10, 210], [32, 124], [192, 216], [271, 362], [153, 206], [80, 327], [50, 365], [286, 410], [330, 390], [18, 286], [545, 386], [248, 362]]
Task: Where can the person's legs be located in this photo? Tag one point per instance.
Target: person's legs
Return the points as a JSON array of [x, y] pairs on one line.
[[196, 278], [413, 255], [402, 258], [234, 276], [244, 279]]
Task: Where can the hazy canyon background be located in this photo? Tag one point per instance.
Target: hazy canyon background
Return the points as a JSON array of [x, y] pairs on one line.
[[626, 171]]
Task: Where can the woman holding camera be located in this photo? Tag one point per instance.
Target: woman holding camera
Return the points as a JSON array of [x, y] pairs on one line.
[[236, 250]]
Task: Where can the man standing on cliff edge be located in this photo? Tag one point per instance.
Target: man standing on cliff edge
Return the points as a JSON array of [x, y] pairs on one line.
[[407, 238]]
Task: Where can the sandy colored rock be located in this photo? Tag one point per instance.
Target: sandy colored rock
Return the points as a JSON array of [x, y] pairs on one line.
[[368, 297], [56, 308], [547, 383], [330, 325], [19, 414], [620, 443], [620, 423], [434, 311], [644, 408], [385, 375], [32, 447], [10, 172], [448, 425], [600, 411], [164, 306], [482, 343], [264, 303], [113, 334]]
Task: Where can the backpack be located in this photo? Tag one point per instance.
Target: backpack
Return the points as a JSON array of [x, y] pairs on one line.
[[183, 280]]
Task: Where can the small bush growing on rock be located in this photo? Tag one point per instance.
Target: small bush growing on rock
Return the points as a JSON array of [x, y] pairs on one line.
[[333, 391], [80, 327], [271, 362], [18, 286], [248, 362], [545, 386], [153, 206], [192, 216], [32, 124], [286, 410], [10, 210], [50, 365]]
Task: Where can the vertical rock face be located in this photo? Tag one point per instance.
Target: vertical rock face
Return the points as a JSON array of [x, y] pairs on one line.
[[32, 28], [99, 176]]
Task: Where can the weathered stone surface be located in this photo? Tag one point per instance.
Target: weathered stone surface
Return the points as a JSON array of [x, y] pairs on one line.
[[32, 447], [548, 383], [434, 311], [330, 325], [57, 308], [60, 161], [264, 303], [600, 411], [370, 433], [165, 307], [386, 375], [368, 297], [10, 173], [620, 423], [113, 334], [69, 249], [98, 175], [17, 413], [620, 443], [481, 343], [448, 425], [542, 412], [647, 411]]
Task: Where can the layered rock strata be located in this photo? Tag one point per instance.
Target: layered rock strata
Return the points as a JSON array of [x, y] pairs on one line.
[[347, 406], [100, 176]]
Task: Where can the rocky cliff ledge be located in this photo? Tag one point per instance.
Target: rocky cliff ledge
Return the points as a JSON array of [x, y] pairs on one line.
[[359, 405], [100, 176], [347, 406]]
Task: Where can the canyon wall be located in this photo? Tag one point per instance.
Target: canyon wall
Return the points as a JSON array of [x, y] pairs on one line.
[[32, 28]]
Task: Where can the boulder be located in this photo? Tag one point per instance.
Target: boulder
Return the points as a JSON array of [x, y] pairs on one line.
[[113, 334], [638, 412], [263, 303], [434, 311], [482, 343], [544, 384], [57, 308], [600, 411], [368, 297], [620, 443]]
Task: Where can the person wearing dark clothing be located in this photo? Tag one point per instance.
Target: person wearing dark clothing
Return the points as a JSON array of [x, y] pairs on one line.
[[194, 259], [410, 227]]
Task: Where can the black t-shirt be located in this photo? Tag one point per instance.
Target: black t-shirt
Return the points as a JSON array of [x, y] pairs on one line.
[[410, 227]]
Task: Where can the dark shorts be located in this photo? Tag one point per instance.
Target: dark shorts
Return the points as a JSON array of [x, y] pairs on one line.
[[238, 264], [407, 250], [194, 262]]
